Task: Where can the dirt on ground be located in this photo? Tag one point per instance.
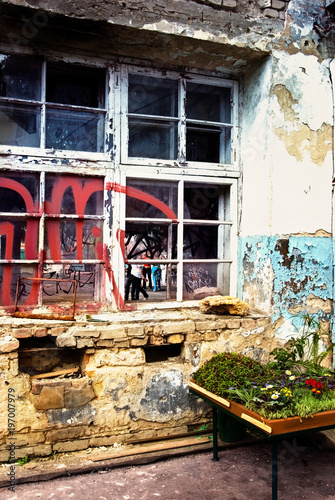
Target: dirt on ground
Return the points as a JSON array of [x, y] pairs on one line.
[[243, 472]]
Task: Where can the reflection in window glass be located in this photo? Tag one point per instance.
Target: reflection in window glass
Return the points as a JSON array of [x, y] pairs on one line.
[[87, 276], [158, 199], [201, 202], [208, 103], [152, 96], [20, 125]]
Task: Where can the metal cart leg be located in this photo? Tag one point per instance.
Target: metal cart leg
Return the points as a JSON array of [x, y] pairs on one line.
[[274, 470], [215, 435]]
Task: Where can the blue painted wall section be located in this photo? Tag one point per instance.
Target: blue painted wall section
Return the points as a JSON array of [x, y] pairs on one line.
[[296, 266]]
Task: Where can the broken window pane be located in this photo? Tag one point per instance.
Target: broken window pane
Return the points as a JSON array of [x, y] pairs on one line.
[[155, 241], [202, 280], [20, 125], [152, 139], [151, 200], [74, 130], [74, 195], [19, 193], [208, 103], [75, 85], [20, 78], [152, 96]]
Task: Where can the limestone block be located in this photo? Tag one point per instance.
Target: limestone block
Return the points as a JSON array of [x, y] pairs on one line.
[[278, 4], [31, 438], [129, 357], [56, 435], [8, 344], [4, 363], [14, 367], [81, 343], [135, 331], [138, 341], [74, 445], [113, 332], [182, 327], [123, 343], [79, 394], [211, 336], [176, 338], [65, 339], [84, 332], [49, 397], [105, 343], [271, 13], [224, 304]]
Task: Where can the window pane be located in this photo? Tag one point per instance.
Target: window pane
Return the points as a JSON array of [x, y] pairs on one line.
[[74, 195], [152, 96], [161, 283], [202, 280], [8, 282], [203, 143], [76, 131], [19, 125], [18, 239], [74, 239], [76, 85], [88, 280], [20, 77], [200, 242], [152, 139], [208, 103], [151, 240], [19, 193], [201, 202], [150, 200]]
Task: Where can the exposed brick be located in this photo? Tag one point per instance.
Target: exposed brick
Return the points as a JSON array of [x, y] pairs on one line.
[[248, 323], [271, 13], [153, 340], [40, 332], [22, 333], [57, 330]]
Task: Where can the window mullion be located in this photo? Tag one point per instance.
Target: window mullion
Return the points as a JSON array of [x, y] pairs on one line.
[[43, 107], [182, 121], [41, 233], [180, 240]]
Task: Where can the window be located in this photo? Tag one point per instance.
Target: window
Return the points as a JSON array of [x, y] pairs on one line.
[[63, 241], [184, 227], [164, 190], [51, 105], [173, 117]]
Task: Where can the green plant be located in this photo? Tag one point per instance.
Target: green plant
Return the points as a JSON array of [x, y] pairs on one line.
[[306, 351], [24, 460]]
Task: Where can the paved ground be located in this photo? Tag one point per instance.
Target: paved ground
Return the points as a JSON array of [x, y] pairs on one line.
[[242, 473]]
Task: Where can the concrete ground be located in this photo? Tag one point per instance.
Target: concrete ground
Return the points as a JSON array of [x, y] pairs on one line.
[[243, 472]]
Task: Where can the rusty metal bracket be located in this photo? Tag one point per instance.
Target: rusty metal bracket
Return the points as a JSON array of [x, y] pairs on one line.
[[63, 317]]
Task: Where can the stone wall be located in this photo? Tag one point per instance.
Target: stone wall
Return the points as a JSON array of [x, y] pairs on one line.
[[132, 378]]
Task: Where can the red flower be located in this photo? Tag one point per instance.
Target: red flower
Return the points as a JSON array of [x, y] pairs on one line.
[[314, 383]]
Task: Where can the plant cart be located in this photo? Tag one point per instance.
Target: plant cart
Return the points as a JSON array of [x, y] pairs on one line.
[[274, 430]]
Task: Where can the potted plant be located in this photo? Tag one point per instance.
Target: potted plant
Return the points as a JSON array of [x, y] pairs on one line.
[[291, 393]]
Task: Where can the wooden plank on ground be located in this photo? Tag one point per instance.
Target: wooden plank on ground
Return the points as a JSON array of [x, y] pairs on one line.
[[138, 450], [57, 373]]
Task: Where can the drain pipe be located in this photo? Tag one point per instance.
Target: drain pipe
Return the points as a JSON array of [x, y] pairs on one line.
[[332, 319]]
